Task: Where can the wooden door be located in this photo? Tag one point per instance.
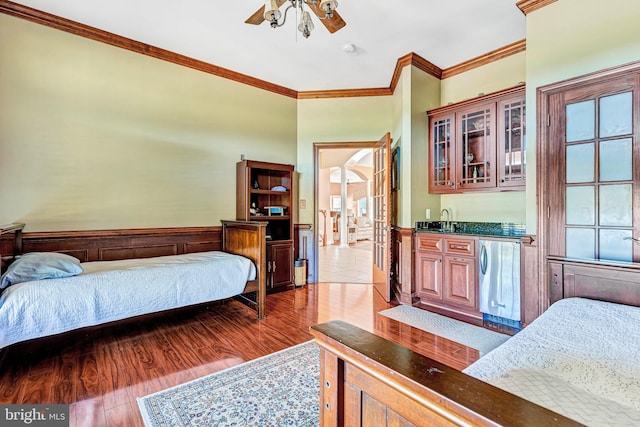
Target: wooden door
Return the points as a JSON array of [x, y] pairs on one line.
[[381, 217], [429, 276], [593, 198], [280, 255], [460, 283]]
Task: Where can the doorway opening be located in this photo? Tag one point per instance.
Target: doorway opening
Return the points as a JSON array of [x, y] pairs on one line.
[[344, 212]]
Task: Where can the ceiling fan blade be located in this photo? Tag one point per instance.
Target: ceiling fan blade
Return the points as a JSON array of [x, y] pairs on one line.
[[258, 17], [332, 24]]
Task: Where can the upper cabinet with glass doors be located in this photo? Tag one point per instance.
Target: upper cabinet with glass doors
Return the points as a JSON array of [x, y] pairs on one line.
[[479, 144]]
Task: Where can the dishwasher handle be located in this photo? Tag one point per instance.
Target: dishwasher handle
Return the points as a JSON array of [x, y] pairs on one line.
[[483, 259]]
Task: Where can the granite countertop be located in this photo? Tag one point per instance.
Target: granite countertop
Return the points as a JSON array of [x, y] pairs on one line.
[[488, 229]]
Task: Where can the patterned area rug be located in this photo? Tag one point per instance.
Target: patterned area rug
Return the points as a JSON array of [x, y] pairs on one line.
[[472, 336], [280, 389]]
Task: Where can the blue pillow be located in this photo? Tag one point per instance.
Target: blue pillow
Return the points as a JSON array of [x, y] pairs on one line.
[[38, 266]]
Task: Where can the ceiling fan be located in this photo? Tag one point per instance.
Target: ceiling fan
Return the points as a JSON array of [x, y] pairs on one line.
[[324, 10]]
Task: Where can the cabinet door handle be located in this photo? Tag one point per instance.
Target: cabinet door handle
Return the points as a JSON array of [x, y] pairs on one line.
[[268, 266], [458, 247], [274, 266]]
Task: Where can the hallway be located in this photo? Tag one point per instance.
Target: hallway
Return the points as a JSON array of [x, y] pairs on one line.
[[352, 264]]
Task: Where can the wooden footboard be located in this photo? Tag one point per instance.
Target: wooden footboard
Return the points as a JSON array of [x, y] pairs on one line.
[[10, 243], [368, 380], [248, 238]]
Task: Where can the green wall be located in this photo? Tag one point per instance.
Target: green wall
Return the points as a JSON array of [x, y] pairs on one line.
[[425, 95], [567, 39], [504, 73], [97, 137], [335, 120], [94, 137], [503, 206]]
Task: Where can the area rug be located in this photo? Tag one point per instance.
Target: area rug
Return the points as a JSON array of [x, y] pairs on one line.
[[472, 336], [280, 389]]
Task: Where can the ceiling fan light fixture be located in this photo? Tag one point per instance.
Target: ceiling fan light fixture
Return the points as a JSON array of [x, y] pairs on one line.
[[272, 12], [328, 6], [306, 24]]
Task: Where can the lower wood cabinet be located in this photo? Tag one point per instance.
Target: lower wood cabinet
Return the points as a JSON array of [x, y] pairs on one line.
[[446, 272], [279, 264], [460, 282]]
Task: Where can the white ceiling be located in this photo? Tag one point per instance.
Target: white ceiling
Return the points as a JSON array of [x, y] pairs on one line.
[[444, 32]]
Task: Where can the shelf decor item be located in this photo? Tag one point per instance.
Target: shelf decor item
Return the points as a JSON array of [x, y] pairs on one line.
[[274, 210], [395, 169]]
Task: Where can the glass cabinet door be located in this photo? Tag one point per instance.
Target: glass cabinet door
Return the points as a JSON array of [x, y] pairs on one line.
[[477, 154], [512, 142], [441, 154]]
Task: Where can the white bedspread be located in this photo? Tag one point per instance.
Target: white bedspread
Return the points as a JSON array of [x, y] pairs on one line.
[[579, 359], [114, 290]]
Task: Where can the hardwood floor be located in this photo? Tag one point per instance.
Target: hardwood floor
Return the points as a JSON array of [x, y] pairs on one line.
[[101, 371], [351, 264]]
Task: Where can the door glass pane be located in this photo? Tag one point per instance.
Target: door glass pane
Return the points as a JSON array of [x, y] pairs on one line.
[[514, 143], [580, 243], [615, 115], [613, 245], [581, 121], [580, 205], [615, 205], [476, 128], [615, 160], [442, 151], [580, 163]]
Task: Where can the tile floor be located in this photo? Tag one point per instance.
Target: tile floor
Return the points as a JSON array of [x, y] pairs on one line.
[[352, 264]]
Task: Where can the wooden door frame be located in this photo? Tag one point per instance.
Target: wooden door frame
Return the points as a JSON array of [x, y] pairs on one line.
[[317, 146], [543, 114]]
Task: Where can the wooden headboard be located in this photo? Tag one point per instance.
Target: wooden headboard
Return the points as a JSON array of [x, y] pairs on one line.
[[109, 245]]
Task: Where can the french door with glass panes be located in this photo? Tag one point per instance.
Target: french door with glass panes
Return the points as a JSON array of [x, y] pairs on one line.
[[594, 172]]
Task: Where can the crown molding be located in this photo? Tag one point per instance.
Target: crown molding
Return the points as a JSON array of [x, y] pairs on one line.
[[494, 55], [344, 93], [82, 30], [418, 62], [408, 59], [517, 89], [53, 21], [528, 6]]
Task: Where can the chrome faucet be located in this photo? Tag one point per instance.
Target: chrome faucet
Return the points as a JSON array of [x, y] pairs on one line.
[[447, 223]]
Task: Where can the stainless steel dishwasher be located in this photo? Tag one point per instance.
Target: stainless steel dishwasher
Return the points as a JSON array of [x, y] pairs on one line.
[[499, 279]]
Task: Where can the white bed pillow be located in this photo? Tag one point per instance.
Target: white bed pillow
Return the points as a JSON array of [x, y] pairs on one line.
[[38, 266]]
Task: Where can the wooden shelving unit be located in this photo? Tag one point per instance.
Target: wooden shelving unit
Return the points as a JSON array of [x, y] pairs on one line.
[[264, 193]]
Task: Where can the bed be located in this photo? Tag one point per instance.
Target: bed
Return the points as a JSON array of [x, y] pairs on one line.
[[579, 359], [108, 290], [576, 364]]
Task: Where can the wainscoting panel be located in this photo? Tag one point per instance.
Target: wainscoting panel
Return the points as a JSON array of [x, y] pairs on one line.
[[402, 268], [534, 293]]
